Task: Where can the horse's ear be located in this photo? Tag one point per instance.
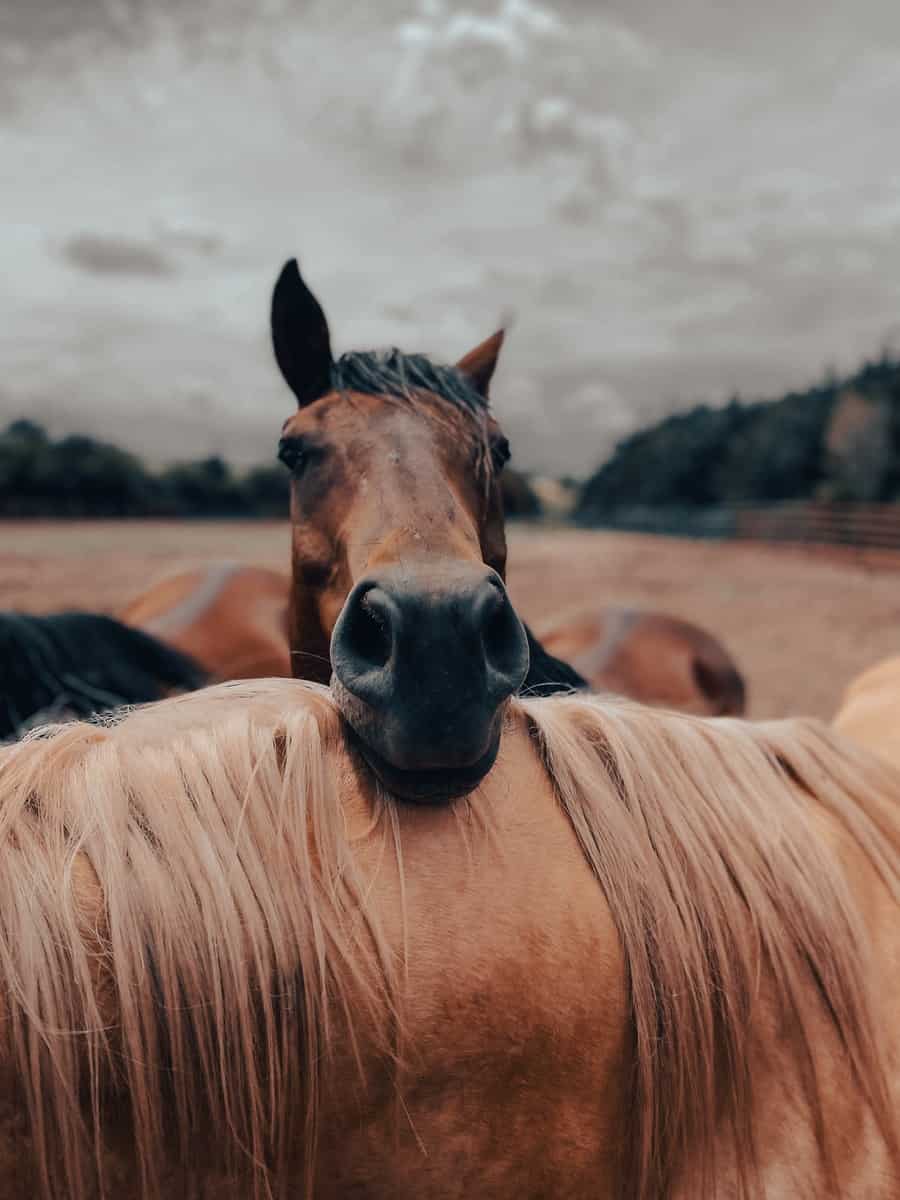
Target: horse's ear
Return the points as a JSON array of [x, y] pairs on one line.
[[300, 336], [478, 365]]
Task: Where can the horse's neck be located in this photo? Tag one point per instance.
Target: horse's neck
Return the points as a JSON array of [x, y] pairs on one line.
[[310, 644], [514, 1007]]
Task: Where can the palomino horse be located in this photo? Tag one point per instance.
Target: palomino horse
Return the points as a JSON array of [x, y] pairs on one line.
[[870, 710], [651, 958], [233, 620]]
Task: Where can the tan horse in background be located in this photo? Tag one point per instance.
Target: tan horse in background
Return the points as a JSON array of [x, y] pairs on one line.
[[648, 656], [870, 710], [233, 620], [651, 957], [229, 617]]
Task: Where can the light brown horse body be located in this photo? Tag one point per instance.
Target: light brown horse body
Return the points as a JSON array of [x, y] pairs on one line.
[[648, 656], [870, 710], [652, 957], [233, 620], [229, 617]]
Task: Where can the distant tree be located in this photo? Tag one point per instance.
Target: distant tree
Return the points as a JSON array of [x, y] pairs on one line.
[[787, 449], [519, 498], [27, 431], [858, 447], [206, 488], [28, 470], [81, 476], [96, 478], [266, 491]]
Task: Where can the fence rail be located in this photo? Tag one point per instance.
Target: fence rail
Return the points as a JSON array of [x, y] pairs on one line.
[[863, 526]]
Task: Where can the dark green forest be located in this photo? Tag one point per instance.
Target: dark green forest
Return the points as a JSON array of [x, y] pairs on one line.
[[79, 476], [836, 442]]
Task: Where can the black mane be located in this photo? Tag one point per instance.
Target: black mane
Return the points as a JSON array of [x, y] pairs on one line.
[[76, 664], [393, 373], [548, 676]]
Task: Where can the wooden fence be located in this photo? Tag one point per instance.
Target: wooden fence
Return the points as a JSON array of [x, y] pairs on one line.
[[864, 526], [861, 526]]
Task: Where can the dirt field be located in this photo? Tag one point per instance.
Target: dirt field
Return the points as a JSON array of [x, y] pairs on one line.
[[800, 625]]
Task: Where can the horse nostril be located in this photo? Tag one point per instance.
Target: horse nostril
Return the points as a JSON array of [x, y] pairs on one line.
[[505, 646], [368, 633], [436, 660]]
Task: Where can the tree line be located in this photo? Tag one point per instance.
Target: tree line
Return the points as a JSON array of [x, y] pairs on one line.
[[836, 442], [80, 476]]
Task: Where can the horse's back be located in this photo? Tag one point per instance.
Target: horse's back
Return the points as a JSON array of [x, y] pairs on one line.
[[64, 664], [651, 657], [229, 617], [514, 1041], [870, 710]]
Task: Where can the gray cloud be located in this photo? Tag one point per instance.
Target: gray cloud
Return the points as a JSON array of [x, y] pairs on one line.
[[677, 201]]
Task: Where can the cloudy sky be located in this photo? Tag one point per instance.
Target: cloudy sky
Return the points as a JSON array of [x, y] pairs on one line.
[[673, 201]]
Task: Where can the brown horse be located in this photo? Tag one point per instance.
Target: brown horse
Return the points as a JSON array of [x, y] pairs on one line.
[[398, 562], [230, 618], [399, 556], [650, 657], [651, 958], [233, 620], [399, 551]]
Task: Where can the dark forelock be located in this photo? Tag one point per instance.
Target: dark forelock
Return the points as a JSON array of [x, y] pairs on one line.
[[392, 373]]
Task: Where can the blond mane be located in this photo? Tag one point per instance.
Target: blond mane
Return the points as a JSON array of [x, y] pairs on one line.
[[712, 874], [232, 923], [224, 930]]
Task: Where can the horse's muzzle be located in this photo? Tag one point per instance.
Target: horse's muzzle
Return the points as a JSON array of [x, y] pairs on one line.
[[421, 673]]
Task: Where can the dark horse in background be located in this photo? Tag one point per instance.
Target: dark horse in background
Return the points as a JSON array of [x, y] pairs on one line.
[[72, 664]]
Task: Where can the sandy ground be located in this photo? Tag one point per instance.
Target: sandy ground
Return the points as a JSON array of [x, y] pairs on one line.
[[800, 625]]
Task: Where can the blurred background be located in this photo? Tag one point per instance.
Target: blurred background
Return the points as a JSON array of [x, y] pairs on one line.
[[691, 212], [677, 202]]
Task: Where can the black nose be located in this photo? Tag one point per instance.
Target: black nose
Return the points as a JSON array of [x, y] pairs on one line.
[[432, 662]]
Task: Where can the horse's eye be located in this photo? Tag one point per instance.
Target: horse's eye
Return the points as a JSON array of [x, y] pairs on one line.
[[291, 453], [500, 452]]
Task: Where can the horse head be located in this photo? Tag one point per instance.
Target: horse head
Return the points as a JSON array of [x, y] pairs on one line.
[[399, 549]]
